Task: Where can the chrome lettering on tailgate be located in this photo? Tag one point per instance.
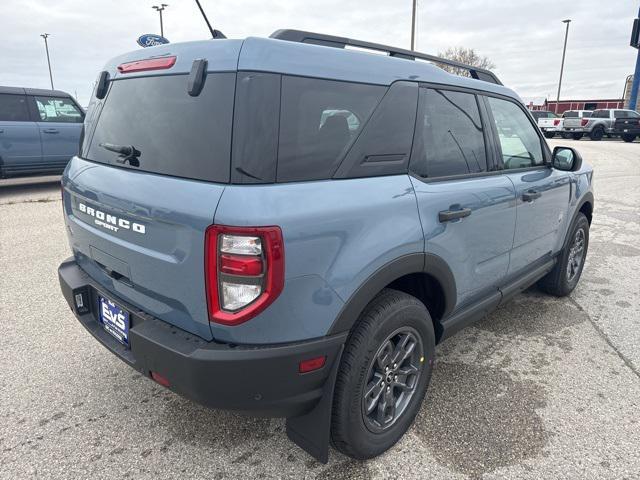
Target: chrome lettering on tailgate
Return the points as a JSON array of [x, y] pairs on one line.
[[111, 222]]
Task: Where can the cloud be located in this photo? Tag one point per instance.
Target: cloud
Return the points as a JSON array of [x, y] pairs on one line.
[[523, 38]]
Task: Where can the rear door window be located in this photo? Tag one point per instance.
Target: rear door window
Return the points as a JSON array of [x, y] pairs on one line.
[[13, 108], [54, 109], [175, 134], [319, 121], [449, 135]]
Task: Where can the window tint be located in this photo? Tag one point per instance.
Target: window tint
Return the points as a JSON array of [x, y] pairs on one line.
[[519, 140], [174, 133], [13, 108], [600, 114], [633, 114], [620, 114], [449, 135], [319, 121], [570, 114], [51, 109], [586, 114]]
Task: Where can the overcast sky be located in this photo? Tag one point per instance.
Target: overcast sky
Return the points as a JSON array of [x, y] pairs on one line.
[[522, 37]]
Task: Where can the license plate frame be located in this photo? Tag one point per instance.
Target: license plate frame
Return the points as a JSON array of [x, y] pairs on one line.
[[114, 319]]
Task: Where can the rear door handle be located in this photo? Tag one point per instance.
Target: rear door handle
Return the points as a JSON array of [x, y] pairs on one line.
[[51, 130], [449, 215], [531, 195]]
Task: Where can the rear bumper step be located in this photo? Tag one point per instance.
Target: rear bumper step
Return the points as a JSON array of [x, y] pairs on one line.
[[263, 380]]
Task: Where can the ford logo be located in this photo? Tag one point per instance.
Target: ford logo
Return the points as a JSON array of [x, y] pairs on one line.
[[151, 40]]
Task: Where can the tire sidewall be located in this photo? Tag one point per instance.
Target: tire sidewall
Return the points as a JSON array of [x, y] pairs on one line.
[[360, 437], [597, 133], [580, 222]]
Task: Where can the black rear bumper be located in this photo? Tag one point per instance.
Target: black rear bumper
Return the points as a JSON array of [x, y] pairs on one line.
[[257, 379]]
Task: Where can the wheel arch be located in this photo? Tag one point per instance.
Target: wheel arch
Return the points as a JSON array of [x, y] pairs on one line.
[[425, 276]]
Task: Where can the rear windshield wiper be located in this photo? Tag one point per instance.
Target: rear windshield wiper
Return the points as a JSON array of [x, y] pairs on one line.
[[126, 153]]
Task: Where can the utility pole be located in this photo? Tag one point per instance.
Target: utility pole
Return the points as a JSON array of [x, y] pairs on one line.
[[564, 51], [633, 99], [46, 47], [159, 9], [413, 25]]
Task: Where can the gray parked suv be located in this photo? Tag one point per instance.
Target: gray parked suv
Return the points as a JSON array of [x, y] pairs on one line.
[[39, 130], [289, 227]]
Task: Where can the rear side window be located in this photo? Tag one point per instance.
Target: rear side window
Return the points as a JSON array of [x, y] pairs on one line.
[[53, 109], [570, 114], [174, 133], [319, 121], [519, 141], [449, 135], [601, 114], [13, 108]]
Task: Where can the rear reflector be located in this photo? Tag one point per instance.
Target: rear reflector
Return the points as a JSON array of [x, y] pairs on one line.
[[160, 63], [312, 364], [160, 379], [240, 264]]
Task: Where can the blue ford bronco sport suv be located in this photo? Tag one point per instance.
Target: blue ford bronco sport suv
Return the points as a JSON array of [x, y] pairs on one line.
[[288, 226]]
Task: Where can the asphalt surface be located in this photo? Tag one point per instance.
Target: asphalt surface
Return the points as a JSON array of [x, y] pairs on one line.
[[542, 388]]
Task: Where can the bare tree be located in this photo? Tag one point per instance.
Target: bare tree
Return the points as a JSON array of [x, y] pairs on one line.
[[467, 56]]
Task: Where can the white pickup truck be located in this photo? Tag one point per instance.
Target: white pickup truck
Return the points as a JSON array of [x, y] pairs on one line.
[[548, 122]]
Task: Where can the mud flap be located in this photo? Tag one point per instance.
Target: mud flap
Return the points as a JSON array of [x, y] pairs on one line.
[[312, 431]]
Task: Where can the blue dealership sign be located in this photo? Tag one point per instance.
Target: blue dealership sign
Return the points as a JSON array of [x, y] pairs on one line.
[[151, 40]]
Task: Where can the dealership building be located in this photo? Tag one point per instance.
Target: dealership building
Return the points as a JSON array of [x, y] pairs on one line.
[[591, 104]]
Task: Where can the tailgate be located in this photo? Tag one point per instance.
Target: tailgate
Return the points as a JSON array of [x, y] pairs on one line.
[[141, 237], [630, 124], [152, 167], [572, 122]]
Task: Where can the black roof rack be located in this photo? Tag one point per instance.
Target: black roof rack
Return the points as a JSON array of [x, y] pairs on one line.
[[341, 42]]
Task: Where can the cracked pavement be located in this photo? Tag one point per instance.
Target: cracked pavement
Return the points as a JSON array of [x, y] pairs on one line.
[[542, 388]]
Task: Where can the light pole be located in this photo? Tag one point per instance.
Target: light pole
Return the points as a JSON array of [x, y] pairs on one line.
[[413, 25], [46, 47], [564, 51], [159, 9]]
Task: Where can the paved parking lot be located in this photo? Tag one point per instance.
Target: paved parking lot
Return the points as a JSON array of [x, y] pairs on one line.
[[543, 388]]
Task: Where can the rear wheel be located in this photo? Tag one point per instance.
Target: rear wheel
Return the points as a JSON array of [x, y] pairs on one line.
[[566, 135], [383, 376], [628, 137], [577, 136], [596, 134], [565, 275]]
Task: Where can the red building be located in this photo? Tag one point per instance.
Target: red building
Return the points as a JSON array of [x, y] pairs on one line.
[[564, 105]]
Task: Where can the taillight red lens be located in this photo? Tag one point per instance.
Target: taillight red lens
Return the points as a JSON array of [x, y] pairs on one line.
[[584, 122], [556, 122], [240, 265], [160, 63], [244, 271], [161, 379]]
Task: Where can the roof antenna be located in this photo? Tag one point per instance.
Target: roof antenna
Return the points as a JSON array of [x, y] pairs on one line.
[[214, 33]]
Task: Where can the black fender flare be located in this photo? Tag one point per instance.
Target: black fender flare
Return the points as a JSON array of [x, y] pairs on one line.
[[399, 267], [586, 198]]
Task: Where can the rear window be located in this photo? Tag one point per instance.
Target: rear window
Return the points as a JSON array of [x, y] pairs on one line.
[[174, 133], [570, 114], [13, 108], [319, 121]]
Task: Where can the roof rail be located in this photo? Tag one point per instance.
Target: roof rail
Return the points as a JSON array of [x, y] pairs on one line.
[[342, 42]]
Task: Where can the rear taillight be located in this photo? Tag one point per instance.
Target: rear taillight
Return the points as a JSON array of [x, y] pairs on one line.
[[160, 63], [244, 271], [583, 122], [556, 122]]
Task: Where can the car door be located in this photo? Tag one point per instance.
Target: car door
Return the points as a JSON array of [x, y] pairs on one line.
[[20, 148], [542, 192], [466, 208], [59, 121]]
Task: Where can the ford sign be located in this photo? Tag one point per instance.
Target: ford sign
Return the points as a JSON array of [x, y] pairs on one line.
[[151, 40]]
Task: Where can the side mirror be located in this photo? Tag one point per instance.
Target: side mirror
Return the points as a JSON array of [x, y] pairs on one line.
[[566, 158]]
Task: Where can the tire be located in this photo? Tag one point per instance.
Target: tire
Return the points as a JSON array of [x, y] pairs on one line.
[[577, 136], [596, 134], [627, 137], [389, 316], [561, 281], [549, 134], [567, 135]]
